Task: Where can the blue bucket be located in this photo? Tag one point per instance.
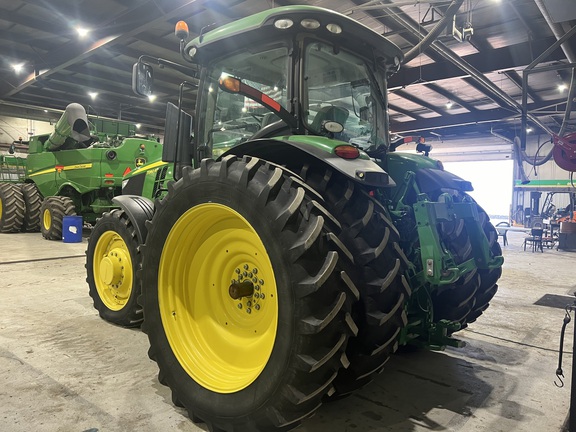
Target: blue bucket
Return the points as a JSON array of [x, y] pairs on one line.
[[72, 229]]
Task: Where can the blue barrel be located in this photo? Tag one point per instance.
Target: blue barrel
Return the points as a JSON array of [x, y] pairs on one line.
[[72, 229]]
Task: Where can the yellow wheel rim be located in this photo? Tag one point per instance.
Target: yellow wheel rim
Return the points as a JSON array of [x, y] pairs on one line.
[[47, 219], [222, 343], [0, 208], [112, 267]]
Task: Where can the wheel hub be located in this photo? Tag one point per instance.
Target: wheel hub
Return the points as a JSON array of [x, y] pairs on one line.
[[47, 219], [247, 287], [112, 268]]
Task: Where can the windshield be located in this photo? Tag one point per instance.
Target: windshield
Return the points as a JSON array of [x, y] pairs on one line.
[[235, 118], [338, 87]]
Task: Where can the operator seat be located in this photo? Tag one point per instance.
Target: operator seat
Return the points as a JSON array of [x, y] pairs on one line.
[[329, 113]]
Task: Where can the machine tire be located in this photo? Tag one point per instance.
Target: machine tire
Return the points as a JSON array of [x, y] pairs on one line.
[[217, 222], [12, 208], [33, 201], [112, 260], [52, 213], [466, 299], [380, 268]]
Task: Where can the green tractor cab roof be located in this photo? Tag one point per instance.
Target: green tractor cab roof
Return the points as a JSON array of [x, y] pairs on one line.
[[278, 22]]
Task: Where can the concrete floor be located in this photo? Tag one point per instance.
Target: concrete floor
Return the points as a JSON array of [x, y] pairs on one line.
[[64, 369]]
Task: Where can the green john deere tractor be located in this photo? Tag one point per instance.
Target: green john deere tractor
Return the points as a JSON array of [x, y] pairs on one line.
[[72, 171], [294, 251]]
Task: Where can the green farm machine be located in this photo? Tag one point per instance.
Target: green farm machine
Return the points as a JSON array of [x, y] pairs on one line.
[[73, 171], [282, 250]]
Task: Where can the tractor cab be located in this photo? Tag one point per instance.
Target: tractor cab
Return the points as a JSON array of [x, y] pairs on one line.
[[289, 71]]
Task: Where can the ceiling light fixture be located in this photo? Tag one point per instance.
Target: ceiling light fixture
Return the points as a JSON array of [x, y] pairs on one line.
[[528, 130], [449, 104], [93, 95], [137, 125], [562, 87], [18, 67], [82, 32], [151, 98]]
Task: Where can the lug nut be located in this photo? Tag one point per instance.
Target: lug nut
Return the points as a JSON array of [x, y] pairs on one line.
[[248, 310], [239, 305], [255, 270], [257, 307], [246, 267], [237, 271], [261, 281]]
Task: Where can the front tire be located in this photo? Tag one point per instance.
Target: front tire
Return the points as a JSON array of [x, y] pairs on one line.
[[52, 212], [112, 258], [262, 361], [12, 208]]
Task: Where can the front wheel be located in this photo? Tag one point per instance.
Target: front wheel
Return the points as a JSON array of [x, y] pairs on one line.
[[52, 214], [246, 299], [112, 259]]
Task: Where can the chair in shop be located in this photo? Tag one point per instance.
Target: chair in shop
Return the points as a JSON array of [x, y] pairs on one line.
[[535, 237], [502, 232]]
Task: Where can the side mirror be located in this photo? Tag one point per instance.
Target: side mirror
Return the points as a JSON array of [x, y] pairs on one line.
[[142, 79], [12, 148]]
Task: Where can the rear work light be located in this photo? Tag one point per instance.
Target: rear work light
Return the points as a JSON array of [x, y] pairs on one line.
[[283, 23], [310, 24], [347, 152]]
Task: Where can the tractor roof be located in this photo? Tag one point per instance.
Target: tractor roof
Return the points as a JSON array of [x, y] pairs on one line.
[[265, 26]]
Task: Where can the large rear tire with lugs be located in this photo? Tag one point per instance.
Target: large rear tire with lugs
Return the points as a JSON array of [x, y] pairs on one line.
[[466, 299], [52, 212], [380, 266], [12, 208], [246, 298], [33, 201], [112, 261]]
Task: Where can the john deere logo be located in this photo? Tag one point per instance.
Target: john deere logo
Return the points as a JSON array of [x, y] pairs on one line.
[[140, 161]]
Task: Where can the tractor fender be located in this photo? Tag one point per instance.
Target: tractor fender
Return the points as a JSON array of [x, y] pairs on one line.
[[139, 209], [291, 153], [430, 179]]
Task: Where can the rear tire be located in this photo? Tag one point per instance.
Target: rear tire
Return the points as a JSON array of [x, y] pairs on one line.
[[33, 201], [380, 268], [466, 299], [112, 258], [12, 208], [255, 363], [52, 212]]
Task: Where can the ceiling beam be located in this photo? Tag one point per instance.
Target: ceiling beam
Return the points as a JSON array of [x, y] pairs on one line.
[[139, 19], [404, 111], [434, 108], [479, 116], [450, 96], [499, 59], [514, 77]]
